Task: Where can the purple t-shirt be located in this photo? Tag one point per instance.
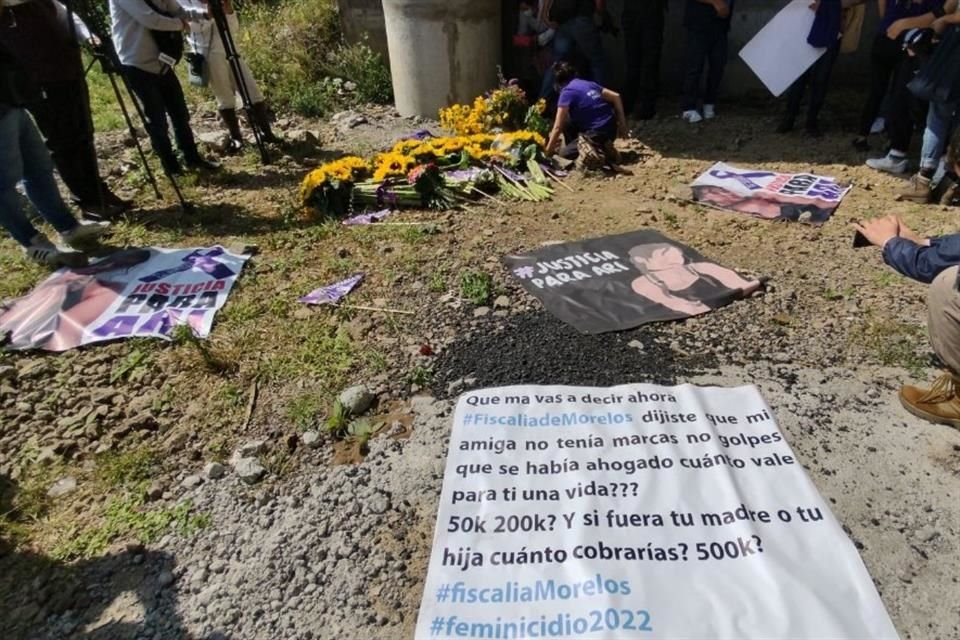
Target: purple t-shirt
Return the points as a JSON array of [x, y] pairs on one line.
[[588, 110], [897, 9]]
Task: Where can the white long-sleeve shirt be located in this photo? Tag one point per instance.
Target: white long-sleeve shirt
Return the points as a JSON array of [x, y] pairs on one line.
[[131, 22]]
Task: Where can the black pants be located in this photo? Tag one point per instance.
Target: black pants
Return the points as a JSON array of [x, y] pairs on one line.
[[885, 57], [906, 111], [599, 138], [705, 47], [161, 97], [643, 35], [818, 78], [64, 119]]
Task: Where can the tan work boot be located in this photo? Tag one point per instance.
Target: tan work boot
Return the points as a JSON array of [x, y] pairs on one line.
[[940, 405], [919, 190], [589, 157]]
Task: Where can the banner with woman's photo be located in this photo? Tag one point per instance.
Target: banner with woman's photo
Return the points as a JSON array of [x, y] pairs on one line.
[[135, 293], [622, 281], [796, 197]]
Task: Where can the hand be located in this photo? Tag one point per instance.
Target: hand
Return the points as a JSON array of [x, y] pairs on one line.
[[896, 29], [722, 8], [622, 130], [907, 234], [940, 25], [879, 230], [815, 5], [93, 42]]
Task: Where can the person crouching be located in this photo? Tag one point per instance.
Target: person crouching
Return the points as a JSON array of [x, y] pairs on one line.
[[589, 117]]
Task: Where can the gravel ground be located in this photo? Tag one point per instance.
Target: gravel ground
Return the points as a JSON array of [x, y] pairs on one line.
[[332, 551], [341, 551]]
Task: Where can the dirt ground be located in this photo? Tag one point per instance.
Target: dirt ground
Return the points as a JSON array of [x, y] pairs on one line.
[[829, 341]]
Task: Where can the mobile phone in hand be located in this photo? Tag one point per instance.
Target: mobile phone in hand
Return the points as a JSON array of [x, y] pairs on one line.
[[860, 241]]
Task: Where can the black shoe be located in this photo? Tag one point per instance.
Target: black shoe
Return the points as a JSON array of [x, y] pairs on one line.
[[813, 130], [202, 164], [106, 211], [861, 144], [786, 125]]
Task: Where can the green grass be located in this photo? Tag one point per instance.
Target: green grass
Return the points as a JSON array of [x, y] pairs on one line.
[[103, 102], [126, 517], [304, 411], [126, 469], [312, 350], [895, 344], [476, 287]]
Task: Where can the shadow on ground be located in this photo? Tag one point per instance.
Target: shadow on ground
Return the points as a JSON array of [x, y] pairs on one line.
[[120, 596]]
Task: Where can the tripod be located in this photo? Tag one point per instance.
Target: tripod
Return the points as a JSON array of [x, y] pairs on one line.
[[216, 10], [110, 65]]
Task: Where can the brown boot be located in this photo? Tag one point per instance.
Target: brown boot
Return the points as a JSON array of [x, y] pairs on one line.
[[261, 116], [919, 190], [946, 192], [229, 117], [940, 405]]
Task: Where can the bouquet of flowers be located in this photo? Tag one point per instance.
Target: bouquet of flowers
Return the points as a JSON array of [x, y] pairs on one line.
[[328, 187], [504, 109]]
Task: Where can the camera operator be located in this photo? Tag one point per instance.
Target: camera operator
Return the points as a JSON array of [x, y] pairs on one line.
[[206, 44], [934, 261], [150, 74], [38, 35]]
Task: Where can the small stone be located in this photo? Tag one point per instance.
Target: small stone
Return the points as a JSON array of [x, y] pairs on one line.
[[635, 344], [214, 471], [7, 372], [192, 481], [165, 579], [251, 448], [502, 302], [481, 312], [62, 487], [47, 455], [379, 504], [311, 439], [154, 491], [356, 399], [249, 470]]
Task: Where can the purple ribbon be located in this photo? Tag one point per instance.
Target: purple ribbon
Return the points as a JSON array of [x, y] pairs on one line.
[[367, 218], [742, 178], [197, 261], [331, 294]]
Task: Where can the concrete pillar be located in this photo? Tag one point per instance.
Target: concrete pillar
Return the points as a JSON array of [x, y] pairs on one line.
[[442, 51]]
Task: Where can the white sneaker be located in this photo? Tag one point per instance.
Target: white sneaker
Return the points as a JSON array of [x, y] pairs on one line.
[[693, 117], [42, 251], [878, 125], [85, 231], [709, 112], [889, 163]]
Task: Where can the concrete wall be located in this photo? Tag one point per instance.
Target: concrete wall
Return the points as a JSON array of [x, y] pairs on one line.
[[364, 18]]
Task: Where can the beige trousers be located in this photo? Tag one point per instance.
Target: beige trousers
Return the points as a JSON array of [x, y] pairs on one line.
[[943, 318], [222, 82]]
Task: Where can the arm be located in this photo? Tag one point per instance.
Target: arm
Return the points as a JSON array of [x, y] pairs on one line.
[[881, 8], [82, 32], [940, 24], [917, 22], [559, 124], [922, 262], [727, 277], [614, 98], [139, 11], [643, 287]]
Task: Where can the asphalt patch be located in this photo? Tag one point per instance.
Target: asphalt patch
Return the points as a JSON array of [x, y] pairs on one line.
[[536, 348]]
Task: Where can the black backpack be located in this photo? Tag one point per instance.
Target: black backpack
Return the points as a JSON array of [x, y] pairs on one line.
[[169, 42]]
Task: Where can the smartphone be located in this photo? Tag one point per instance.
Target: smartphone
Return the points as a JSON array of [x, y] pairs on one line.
[[860, 241]]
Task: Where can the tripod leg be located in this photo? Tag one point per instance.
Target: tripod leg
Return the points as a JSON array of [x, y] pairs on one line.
[[184, 205], [136, 139]]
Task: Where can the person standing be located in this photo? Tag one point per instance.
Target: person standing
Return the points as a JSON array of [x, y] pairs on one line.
[[577, 24], [46, 45], [152, 78], [24, 158], [708, 24], [643, 24], [204, 39], [887, 55]]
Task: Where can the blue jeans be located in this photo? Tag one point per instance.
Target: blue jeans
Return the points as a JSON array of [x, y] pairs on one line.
[[24, 157], [581, 35], [941, 118]]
